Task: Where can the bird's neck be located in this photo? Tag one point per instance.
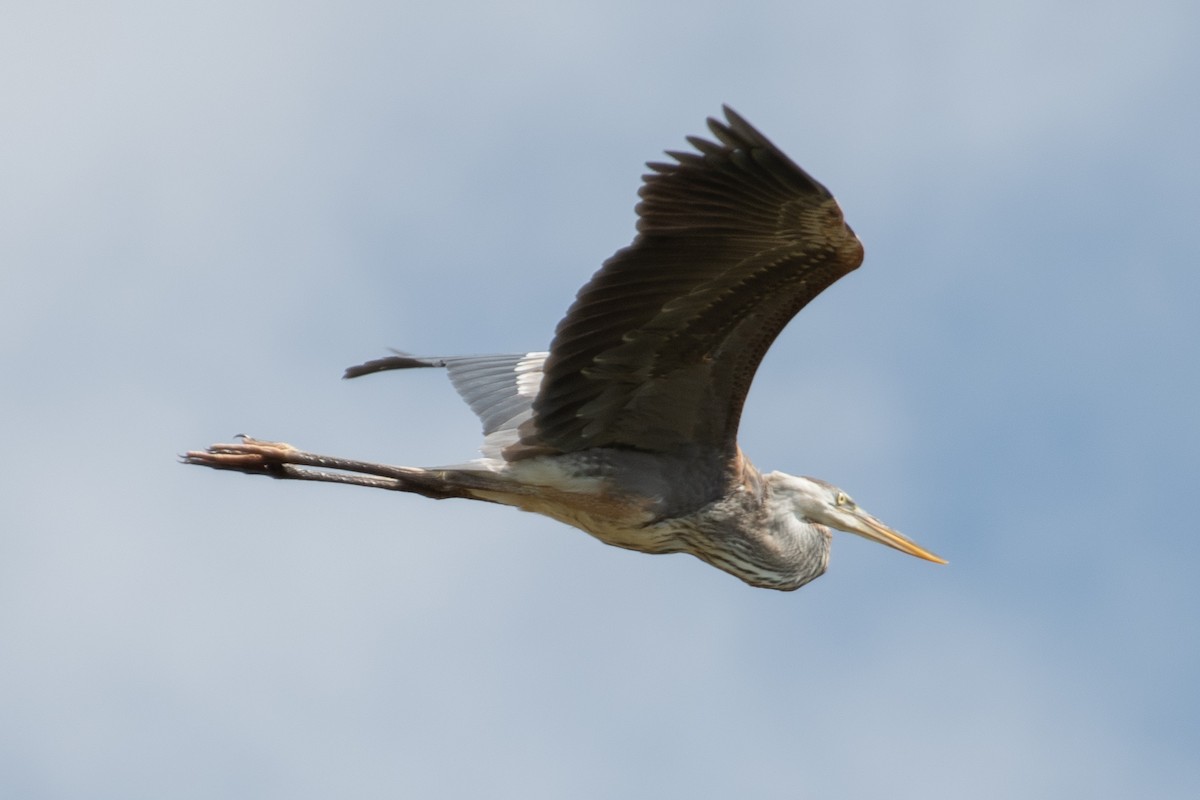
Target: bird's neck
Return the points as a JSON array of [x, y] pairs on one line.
[[801, 543]]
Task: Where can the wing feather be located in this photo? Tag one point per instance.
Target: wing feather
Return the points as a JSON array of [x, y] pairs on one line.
[[498, 388], [660, 347]]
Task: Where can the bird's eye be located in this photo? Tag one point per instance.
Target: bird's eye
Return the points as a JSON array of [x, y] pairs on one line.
[[843, 499]]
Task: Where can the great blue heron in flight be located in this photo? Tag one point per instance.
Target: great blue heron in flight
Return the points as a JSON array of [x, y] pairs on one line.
[[627, 427]]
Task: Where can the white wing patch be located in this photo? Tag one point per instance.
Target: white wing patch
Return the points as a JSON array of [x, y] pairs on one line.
[[529, 374]]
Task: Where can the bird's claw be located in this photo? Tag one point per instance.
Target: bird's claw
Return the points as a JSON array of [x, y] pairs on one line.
[[248, 455]]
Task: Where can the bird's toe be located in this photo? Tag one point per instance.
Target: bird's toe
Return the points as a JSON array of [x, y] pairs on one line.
[[247, 455]]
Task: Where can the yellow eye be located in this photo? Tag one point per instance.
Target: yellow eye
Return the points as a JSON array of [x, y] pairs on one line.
[[843, 499]]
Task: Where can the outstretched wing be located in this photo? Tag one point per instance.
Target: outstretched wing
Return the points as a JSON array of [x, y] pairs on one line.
[[659, 349]]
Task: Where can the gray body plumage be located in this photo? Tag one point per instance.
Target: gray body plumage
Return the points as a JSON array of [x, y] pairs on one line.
[[691, 500]]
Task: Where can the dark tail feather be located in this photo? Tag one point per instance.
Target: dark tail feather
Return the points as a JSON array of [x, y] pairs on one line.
[[398, 361]]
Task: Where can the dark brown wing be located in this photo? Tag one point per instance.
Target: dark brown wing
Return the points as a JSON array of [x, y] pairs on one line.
[[659, 348]]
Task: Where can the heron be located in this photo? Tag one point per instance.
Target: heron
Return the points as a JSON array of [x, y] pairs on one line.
[[626, 427]]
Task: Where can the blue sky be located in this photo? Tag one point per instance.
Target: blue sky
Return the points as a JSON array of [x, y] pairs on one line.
[[210, 209]]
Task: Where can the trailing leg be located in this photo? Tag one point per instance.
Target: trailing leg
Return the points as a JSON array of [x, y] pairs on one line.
[[279, 460]]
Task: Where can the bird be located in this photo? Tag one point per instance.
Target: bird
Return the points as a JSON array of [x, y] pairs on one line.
[[626, 427]]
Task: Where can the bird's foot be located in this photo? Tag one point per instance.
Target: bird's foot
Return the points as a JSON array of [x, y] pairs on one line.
[[249, 455]]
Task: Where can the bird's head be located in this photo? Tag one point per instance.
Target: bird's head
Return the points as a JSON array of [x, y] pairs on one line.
[[821, 503]]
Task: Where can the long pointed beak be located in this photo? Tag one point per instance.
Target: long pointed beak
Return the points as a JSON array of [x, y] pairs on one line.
[[868, 527]]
